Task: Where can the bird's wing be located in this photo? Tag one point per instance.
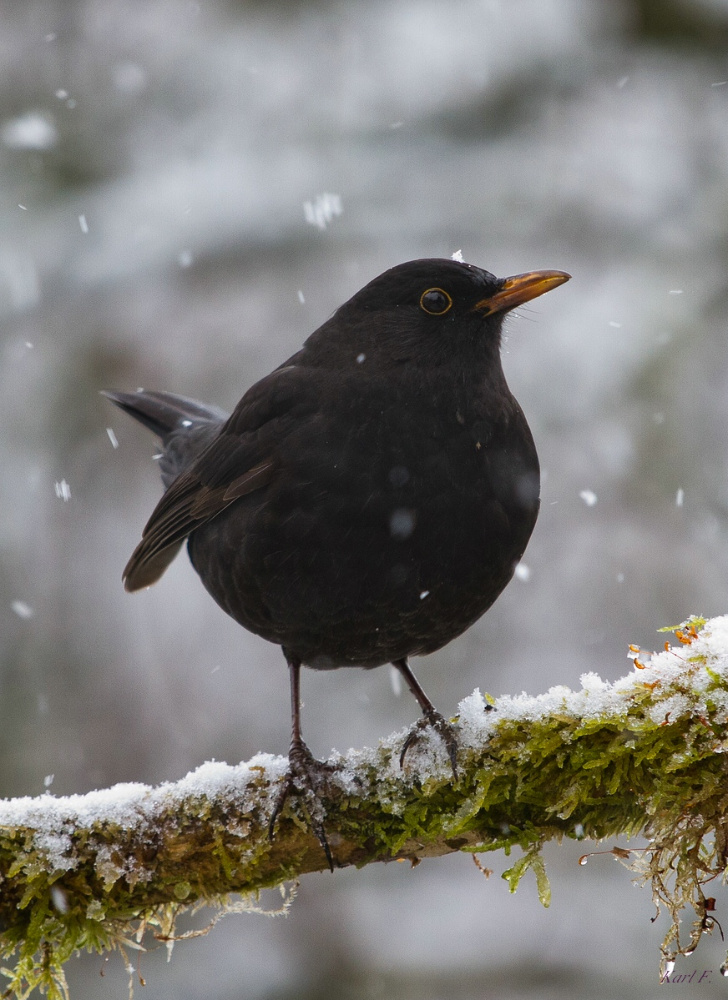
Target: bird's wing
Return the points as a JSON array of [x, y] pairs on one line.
[[240, 460]]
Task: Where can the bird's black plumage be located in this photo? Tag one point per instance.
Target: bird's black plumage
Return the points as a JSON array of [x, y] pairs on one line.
[[370, 498]]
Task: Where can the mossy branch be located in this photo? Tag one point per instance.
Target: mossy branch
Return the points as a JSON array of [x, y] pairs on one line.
[[644, 755]]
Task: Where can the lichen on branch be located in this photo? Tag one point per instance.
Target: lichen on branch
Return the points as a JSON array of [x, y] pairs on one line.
[[644, 755]]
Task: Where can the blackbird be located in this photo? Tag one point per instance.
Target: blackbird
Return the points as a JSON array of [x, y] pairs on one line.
[[370, 498]]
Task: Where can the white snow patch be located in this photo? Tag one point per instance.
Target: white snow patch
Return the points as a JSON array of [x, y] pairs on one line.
[[55, 819], [691, 668], [458, 256]]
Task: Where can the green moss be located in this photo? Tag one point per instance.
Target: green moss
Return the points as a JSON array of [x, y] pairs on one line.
[[523, 781]]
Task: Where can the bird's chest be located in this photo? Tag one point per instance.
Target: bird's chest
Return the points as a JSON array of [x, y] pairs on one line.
[[420, 485]]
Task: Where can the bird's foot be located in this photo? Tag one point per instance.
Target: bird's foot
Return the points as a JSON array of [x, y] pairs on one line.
[[307, 781], [444, 729]]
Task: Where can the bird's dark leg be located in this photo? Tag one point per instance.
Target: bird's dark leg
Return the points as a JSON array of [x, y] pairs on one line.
[[294, 673], [432, 718], [306, 776]]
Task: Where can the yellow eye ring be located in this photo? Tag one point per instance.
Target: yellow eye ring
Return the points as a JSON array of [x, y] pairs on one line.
[[435, 301]]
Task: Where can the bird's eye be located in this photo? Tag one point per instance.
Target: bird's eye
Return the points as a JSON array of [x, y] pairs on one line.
[[435, 301]]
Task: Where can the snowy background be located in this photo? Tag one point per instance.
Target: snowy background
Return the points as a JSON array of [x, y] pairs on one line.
[[156, 160]]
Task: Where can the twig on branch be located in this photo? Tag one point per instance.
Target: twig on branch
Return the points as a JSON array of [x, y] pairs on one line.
[[646, 755]]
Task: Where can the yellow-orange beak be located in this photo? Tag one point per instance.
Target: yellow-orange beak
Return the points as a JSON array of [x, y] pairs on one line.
[[521, 288]]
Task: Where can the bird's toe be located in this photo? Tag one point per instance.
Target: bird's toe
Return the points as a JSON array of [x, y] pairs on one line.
[[447, 731], [307, 781]]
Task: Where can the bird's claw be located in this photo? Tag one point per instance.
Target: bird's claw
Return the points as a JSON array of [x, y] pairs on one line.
[[306, 781], [444, 729]]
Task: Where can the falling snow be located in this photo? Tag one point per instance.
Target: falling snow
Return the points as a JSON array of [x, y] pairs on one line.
[[63, 491], [322, 209], [30, 131], [402, 523], [59, 899], [22, 610]]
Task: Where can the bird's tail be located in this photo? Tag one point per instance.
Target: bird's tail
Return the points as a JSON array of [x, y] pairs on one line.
[[184, 426]]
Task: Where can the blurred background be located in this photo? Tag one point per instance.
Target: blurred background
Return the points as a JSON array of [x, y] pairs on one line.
[[187, 189]]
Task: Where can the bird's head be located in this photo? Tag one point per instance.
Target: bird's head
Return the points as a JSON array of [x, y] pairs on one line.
[[428, 312]]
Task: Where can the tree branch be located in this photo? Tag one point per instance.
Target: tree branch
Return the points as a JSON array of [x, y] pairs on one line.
[[646, 754]]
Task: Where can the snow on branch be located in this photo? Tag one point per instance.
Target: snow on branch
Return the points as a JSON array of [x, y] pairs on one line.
[[643, 755]]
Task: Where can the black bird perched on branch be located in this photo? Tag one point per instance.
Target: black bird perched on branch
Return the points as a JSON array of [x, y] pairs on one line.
[[370, 498]]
